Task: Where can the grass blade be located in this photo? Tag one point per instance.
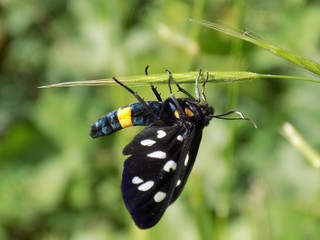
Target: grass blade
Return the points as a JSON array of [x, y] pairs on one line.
[[189, 77], [303, 62], [292, 135]]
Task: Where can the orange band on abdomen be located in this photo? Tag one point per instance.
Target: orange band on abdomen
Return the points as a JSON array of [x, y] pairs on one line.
[[124, 117]]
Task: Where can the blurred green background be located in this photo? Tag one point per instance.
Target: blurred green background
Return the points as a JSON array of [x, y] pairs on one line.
[[57, 183]]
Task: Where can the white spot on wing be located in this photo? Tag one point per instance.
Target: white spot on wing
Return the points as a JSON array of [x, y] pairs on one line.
[[146, 186], [137, 180], [159, 196], [178, 183], [147, 142], [180, 138], [186, 160], [161, 134], [170, 165], [158, 154]]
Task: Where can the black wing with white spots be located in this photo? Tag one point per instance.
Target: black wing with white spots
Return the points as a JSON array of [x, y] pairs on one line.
[[157, 170]]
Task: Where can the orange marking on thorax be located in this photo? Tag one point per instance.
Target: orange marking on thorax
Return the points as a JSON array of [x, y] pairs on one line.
[[176, 114], [188, 112]]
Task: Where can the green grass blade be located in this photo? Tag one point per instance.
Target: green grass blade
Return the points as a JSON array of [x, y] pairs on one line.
[[292, 135], [303, 62], [189, 77]]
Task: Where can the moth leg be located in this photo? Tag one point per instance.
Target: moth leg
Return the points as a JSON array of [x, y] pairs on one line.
[[179, 107], [153, 88], [137, 96]]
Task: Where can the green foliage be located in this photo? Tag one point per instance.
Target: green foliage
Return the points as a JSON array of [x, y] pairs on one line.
[[57, 183]]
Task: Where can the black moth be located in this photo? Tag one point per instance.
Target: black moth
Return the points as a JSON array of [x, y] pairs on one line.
[[163, 154]]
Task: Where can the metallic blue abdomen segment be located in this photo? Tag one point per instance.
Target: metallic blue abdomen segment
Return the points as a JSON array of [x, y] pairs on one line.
[[140, 116], [107, 124], [137, 115]]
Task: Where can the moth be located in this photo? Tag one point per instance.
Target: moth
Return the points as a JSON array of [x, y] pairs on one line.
[[162, 155]]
